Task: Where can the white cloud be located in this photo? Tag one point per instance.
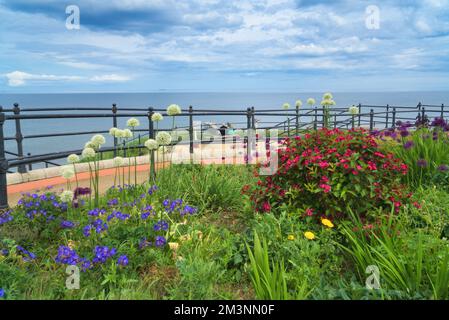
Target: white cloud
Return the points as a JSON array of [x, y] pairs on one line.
[[20, 78], [110, 78]]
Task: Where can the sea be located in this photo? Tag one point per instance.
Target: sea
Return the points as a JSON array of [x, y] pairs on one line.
[[210, 101]]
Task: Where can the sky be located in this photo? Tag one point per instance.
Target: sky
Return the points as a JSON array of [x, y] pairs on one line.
[[224, 45]]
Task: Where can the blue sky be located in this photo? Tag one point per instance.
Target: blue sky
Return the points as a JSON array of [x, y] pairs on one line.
[[223, 45]]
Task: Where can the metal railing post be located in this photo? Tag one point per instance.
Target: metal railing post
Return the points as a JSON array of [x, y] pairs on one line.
[[191, 132], [30, 166], [442, 111], [297, 119], [371, 120], [393, 125], [247, 136], [387, 117], [114, 124], [315, 122], [3, 165], [360, 115], [151, 136], [253, 118], [19, 139]]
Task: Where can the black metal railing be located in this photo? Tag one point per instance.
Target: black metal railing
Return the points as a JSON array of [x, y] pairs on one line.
[[296, 121]]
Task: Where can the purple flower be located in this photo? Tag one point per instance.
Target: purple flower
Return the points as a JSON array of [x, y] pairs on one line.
[[5, 217], [81, 192], [408, 145], [188, 209], [113, 202], [86, 230], [67, 256], [96, 212], [123, 261], [404, 133], [85, 265], [100, 226], [67, 224], [422, 163], [144, 243], [160, 241], [161, 225], [29, 255], [146, 212], [102, 254], [152, 190], [443, 168]]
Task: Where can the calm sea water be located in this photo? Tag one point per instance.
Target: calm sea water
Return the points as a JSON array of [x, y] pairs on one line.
[[224, 101]]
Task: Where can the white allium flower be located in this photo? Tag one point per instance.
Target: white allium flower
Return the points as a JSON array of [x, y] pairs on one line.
[[311, 102], [68, 172], [112, 131], [73, 158], [354, 110], [286, 106], [98, 139], [66, 196], [133, 122], [88, 153], [119, 133], [151, 144], [118, 161], [156, 117], [163, 138], [328, 103], [127, 133], [298, 103], [328, 96], [91, 144], [173, 110]]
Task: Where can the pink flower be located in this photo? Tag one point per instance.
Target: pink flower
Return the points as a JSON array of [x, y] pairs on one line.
[[326, 188], [266, 207], [323, 164]]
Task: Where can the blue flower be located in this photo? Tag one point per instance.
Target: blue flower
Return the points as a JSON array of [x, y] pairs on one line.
[[123, 260], [96, 212], [2, 293], [161, 225], [152, 190], [67, 224], [86, 230], [102, 254], [29, 255], [160, 241], [67, 256], [5, 217], [100, 226], [146, 212]]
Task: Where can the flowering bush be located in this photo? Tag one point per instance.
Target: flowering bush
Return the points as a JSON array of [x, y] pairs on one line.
[[323, 173]]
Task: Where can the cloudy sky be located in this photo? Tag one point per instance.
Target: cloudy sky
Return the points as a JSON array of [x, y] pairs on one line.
[[224, 45]]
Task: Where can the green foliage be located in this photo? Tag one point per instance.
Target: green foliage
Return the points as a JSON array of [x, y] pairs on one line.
[[268, 279], [426, 154], [211, 188], [413, 264]]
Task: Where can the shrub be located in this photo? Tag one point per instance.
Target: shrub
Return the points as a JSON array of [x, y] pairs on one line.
[[324, 172]]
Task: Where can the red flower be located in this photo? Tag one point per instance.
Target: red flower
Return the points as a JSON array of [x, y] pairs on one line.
[[326, 188]]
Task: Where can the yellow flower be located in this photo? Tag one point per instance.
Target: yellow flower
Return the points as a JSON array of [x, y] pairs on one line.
[[327, 223], [309, 235], [291, 237], [173, 246], [71, 244]]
